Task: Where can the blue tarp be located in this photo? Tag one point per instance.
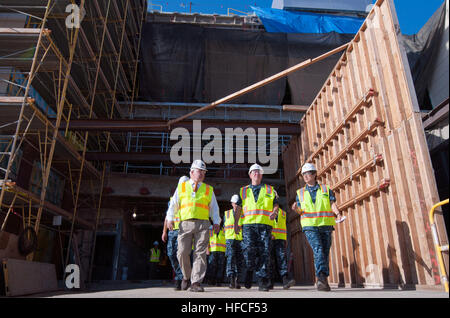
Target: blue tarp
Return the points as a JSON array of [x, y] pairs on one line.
[[276, 20]]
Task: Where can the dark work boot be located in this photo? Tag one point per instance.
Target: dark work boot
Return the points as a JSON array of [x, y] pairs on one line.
[[263, 285], [322, 283], [248, 279], [185, 284], [236, 283], [195, 287], [178, 285], [287, 283], [232, 282]]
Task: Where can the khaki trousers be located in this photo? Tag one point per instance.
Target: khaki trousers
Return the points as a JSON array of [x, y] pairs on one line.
[[197, 232]]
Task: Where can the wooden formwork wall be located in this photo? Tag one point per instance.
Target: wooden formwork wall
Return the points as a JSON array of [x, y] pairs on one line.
[[364, 133]]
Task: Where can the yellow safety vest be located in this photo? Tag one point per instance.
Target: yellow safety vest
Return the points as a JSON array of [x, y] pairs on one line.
[[217, 242], [154, 255], [318, 214], [194, 205], [257, 212], [279, 228], [229, 226], [176, 219]]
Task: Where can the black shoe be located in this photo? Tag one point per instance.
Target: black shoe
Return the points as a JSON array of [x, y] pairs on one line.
[[232, 282], [177, 285], [236, 283], [248, 280], [263, 285], [196, 288], [322, 283], [287, 283], [184, 284]]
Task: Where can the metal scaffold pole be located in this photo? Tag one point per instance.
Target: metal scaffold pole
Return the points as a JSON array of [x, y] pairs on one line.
[[83, 157]]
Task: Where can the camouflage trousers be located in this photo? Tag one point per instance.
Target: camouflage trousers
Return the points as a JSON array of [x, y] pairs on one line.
[[216, 262], [235, 262], [172, 247], [320, 238], [256, 248], [279, 258]]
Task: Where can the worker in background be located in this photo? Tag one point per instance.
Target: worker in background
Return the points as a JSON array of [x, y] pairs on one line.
[[259, 206], [317, 207], [172, 245], [196, 203], [234, 256], [155, 254], [216, 259], [278, 251]]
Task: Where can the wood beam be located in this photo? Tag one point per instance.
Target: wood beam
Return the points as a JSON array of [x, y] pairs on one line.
[[259, 84]]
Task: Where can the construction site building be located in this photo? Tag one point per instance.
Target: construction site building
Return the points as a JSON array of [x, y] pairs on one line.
[[91, 92]]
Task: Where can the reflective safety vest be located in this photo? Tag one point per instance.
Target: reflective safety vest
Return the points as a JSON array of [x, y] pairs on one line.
[[318, 213], [154, 255], [217, 242], [229, 226], [279, 228], [194, 205], [257, 212], [176, 219]]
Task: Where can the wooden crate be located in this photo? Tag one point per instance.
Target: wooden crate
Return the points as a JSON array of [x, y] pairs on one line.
[[365, 135]]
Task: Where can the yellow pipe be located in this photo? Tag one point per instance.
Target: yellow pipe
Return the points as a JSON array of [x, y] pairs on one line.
[[437, 244]]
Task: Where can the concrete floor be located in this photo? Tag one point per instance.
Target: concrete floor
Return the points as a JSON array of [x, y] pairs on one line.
[[158, 289]]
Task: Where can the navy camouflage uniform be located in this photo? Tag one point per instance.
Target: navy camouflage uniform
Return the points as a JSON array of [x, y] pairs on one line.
[[319, 237], [172, 247], [256, 242]]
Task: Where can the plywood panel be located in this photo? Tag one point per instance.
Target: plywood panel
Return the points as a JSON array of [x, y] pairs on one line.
[[24, 277], [364, 133]]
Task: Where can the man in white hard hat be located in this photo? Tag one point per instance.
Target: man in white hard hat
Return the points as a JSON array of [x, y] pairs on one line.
[[259, 205], [171, 237], [317, 207], [235, 263], [196, 203]]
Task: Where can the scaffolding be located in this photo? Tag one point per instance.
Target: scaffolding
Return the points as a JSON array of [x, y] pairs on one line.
[[65, 62]]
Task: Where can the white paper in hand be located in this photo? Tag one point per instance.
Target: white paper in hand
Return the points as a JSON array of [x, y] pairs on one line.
[[341, 219]]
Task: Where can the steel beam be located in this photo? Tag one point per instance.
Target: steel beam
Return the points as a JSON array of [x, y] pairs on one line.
[[133, 125], [127, 156]]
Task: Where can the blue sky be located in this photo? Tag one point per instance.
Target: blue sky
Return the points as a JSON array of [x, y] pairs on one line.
[[412, 14]]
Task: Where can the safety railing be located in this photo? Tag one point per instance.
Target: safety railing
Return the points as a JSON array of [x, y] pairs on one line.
[[437, 244]]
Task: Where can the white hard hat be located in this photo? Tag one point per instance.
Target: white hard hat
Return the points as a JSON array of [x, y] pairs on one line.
[[308, 167], [155, 243], [183, 179], [234, 198], [256, 167], [198, 164]]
